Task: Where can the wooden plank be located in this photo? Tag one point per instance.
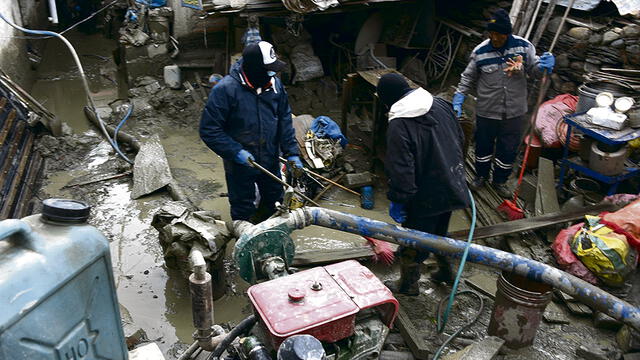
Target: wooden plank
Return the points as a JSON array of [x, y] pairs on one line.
[[411, 335], [547, 187], [324, 256], [547, 198], [534, 223]]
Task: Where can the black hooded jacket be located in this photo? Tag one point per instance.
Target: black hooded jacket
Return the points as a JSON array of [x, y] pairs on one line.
[[424, 161]]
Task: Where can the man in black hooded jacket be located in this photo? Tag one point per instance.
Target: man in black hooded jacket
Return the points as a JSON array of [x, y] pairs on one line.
[[424, 165]]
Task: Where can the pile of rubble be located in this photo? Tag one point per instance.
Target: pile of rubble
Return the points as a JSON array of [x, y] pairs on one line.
[[145, 42]]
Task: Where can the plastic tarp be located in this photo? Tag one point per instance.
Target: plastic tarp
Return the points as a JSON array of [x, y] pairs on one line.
[[566, 259], [624, 6], [626, 221], [324, 127]]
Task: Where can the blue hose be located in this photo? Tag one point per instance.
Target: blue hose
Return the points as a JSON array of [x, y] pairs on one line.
[[441, 324], [124, 120]]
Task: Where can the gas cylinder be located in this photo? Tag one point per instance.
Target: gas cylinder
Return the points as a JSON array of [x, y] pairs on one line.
[[57, 291]]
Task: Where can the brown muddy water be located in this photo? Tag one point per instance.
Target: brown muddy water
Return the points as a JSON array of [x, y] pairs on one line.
[[153, 297]]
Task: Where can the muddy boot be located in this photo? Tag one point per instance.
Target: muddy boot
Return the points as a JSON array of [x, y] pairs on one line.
[[408, 282], [444, 273]]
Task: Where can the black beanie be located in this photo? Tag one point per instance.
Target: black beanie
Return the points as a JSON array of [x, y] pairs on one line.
[[500, 22], [391, 88]]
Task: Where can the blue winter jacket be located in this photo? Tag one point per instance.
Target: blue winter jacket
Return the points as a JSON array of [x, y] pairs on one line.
[[236, 117]]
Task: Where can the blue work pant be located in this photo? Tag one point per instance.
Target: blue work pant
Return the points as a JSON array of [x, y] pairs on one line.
[[497, 140], [436, 225], [241, 185]]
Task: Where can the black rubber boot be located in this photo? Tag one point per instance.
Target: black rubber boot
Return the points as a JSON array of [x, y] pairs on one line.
[[444, 273], [408, 284], [477, 183], [503, 190]]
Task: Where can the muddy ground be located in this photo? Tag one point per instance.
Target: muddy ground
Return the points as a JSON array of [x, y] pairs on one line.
[[156, 298]]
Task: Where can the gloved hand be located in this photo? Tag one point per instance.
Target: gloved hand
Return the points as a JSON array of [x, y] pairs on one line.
[[458, 100], [296, 161], [547, 61], [397, 212], [243, 156]]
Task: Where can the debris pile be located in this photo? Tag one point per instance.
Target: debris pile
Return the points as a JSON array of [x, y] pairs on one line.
[[145, 41]]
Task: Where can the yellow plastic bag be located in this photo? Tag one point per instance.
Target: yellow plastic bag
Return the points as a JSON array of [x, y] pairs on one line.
[[604, 252]]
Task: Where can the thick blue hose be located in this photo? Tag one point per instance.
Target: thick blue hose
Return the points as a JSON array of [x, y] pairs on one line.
[[463, 260]]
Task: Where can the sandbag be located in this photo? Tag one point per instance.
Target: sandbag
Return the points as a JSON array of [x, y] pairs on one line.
[[628, 220], [566, 259], [550, 114], [606, 253]]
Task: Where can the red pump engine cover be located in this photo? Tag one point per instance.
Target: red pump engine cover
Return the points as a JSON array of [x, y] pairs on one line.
[[322, 301]]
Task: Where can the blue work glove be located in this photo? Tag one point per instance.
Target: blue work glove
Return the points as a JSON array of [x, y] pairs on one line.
[[296, 161], [458, 100], [397, 212], [243, 156], [547, 61]]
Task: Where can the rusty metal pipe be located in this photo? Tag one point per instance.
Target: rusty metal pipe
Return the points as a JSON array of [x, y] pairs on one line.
[[583, 291], [201, 301]]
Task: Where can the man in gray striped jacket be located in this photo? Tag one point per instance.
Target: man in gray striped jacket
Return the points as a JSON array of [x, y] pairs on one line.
[[498, 70]]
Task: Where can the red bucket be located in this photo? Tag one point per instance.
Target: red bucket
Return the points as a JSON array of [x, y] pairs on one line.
[[534, 152]]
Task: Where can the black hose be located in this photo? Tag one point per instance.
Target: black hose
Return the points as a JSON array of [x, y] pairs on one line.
[[243, 326]]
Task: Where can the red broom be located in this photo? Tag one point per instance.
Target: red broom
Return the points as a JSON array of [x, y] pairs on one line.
[[382, 251]]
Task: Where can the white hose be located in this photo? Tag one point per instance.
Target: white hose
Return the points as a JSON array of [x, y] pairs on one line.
[[85, 83]]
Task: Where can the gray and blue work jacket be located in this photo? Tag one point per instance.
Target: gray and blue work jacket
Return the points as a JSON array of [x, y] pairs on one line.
[[500, 96]]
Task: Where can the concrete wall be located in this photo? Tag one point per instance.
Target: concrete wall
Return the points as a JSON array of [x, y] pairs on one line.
[[13, 59], [184, 19]]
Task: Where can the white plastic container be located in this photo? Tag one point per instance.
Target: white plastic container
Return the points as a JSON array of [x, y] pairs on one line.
[[172, 76]]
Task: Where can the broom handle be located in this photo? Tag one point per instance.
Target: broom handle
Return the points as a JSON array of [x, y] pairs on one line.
[[541, 94]]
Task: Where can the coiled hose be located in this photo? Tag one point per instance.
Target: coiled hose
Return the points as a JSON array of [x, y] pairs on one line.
[[442, 322], [243, 326], [85, 83]]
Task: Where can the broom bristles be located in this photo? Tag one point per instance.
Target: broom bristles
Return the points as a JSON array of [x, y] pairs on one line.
[[382, 251], [511, 210]]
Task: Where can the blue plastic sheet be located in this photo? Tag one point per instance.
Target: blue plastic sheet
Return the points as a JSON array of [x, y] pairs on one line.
[[153, 3], [324, 127]]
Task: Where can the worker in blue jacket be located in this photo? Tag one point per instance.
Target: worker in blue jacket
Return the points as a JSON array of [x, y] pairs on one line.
[[247, 118]]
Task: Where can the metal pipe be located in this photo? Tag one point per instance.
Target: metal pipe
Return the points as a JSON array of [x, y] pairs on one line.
[[201, 300], [53, 10], [280, 181], [588, 294]]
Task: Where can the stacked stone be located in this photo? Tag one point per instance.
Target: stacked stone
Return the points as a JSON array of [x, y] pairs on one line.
[[581, 50]]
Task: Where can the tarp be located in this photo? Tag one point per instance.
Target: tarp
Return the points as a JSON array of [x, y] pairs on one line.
[[624, 6]]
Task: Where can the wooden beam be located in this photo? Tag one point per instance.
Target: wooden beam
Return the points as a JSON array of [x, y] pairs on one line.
[[411, 335], [534, 223]]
